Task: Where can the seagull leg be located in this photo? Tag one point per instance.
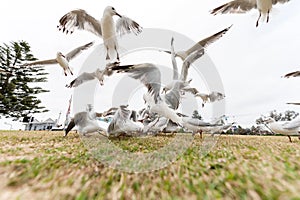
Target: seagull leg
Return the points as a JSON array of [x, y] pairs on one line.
[[118, 58], [290, 138], [107, 56], [268, 16], [258, 19], [70, 71]]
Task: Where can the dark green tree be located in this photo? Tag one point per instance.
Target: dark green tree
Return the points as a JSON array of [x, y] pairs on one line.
[[196, 115], [18, 89], [285, 116]]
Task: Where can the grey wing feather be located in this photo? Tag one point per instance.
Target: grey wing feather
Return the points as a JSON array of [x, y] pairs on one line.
[[292, 74], [78, 50], [42, 62], [279, 1], [207, 41], [150, 76], [294, 103], [126, 25], [236, 6], [294, 124], [197, 122], [81, 20], [85, 76], [174, 63], [188, 61]]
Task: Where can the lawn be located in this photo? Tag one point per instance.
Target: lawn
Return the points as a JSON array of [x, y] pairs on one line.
[[44, 165]]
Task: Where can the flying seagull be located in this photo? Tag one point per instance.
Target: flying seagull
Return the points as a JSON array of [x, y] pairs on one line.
[[105, 28], [61, 59], [241, 6], [211, 97], [193, 53], [88, 76]]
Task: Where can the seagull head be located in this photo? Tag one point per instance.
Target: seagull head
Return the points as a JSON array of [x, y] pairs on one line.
[[111, 11], [59, 54]]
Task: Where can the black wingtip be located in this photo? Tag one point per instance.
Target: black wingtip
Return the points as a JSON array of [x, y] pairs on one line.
[[71, 125]]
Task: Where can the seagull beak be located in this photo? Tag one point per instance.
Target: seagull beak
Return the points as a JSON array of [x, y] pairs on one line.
[[118, 14]]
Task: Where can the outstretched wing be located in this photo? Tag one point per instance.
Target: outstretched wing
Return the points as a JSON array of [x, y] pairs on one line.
[[78, 50], [147, 73], [292, 74], [279, 1], [42, 62], [174, 63], [188, 61], [207, 41], [236, 6], [126, 25], [85, 76], [294, 124], [79, 19]]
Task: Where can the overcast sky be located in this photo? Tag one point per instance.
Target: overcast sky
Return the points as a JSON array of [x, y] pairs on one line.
[[250, 60]]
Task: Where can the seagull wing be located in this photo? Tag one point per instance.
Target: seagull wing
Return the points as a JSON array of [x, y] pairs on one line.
[[279, 1], [147, 73], [236, 6], [122, 114], [292, 74], [78, 50], [79, 19], [126, 25], [197, 122], [294, 104], [207, 41], [85, 76], [215, 96], [174, 63], [42, 62], [294, 124], [188, 61]]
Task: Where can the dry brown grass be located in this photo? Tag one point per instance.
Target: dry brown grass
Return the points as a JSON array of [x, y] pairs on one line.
[[44, 165]]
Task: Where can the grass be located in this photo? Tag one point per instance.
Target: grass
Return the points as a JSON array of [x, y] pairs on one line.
[[44, 165]]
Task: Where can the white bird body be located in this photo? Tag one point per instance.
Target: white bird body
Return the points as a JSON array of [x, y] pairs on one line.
[[109, 32], [287, 128], [241, 6], [62, 61]]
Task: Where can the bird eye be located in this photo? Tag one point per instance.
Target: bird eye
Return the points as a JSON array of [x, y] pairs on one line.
[[113, 8]]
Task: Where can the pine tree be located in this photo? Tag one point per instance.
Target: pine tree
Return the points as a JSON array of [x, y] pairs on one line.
[[17, 90]]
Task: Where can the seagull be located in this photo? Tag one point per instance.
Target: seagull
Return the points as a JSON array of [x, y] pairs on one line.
[[287, 128], [292, 74], [105, 28], [63, 60], [197, 49], [150, 76], [86, 123], [241, 6], [122, 123], [199, 126], [88, 76], [211, 97], [86, 120]]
